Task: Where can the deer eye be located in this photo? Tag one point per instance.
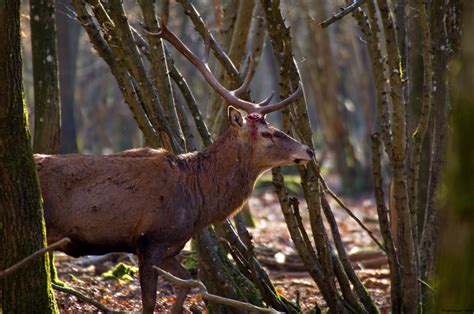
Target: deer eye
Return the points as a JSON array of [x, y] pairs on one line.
[[266, 135], [279, 135]]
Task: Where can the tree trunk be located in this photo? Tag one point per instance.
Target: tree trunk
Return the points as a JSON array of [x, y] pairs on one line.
[[455, 272], [325, 75], [45, 76], [68, 40], [22, 225], [429, 234], [46, 84]]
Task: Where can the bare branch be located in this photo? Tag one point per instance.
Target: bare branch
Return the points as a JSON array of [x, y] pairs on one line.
[[182, 85], [370, 28], [131, 96], [159, 65], [344, 258], [395, 291], [425, 118], [348, 210], [82, 297], [342, 12], [399, 160], [308, 256], [10, 270], [211, 297]]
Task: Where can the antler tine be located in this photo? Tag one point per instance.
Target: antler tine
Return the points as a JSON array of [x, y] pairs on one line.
[[279, 105], [267, 100], [247, 79]]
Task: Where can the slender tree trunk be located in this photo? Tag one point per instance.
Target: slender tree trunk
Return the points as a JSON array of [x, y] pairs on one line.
[[45, 76], [68, 41], [46, 84], [429, 234], [330, 114], [22, 225]]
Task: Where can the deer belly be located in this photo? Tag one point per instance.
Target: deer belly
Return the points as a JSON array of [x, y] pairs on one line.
[[93, 229]]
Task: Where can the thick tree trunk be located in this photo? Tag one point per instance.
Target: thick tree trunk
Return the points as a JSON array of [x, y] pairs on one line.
[[22, 225], [68, 40], [456, 273]]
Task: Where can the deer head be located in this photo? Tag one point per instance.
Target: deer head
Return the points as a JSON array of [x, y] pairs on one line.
[[269, 146]]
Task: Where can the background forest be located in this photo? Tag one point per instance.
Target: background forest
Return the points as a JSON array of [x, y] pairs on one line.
[[380, 220]]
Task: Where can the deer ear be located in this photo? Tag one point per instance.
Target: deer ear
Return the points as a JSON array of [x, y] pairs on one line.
[[235, 118]]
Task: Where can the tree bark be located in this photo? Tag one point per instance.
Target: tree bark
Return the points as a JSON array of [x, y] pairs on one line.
[[455, 272], [320, 265], [325, 75], [22, 226], [68, 30], [429, 234], [45, 76]]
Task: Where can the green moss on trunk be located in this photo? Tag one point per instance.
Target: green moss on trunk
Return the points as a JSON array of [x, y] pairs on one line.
[[22, 230]]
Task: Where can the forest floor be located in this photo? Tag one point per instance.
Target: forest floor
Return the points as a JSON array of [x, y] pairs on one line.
[[274, 249]]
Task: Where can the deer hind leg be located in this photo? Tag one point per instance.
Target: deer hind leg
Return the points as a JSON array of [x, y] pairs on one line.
[[149, 278], [173, 266]]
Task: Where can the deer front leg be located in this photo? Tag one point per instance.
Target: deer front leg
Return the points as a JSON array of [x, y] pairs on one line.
[[149, 278], [173, 266]]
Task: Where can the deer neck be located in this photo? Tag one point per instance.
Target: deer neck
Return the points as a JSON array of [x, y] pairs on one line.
[[222, 178]]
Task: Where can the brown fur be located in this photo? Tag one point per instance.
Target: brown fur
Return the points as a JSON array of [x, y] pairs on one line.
[[150, 202]]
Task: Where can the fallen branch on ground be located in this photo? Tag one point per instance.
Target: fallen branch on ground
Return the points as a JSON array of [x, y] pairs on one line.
[[27, 259], [82, 297], [212, 297]]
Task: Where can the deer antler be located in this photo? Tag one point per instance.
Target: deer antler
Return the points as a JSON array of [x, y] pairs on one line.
[[230, 96]]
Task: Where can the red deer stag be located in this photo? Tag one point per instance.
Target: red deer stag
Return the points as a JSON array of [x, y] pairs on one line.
[[151, 202]]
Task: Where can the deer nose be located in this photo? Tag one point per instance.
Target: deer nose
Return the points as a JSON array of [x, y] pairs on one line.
[[310, 152]]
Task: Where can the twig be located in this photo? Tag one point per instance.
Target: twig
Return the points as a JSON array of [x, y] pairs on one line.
[[427, 286], [342, 12], [82, 297], [211, 297], [26, 260], [347, 210]]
